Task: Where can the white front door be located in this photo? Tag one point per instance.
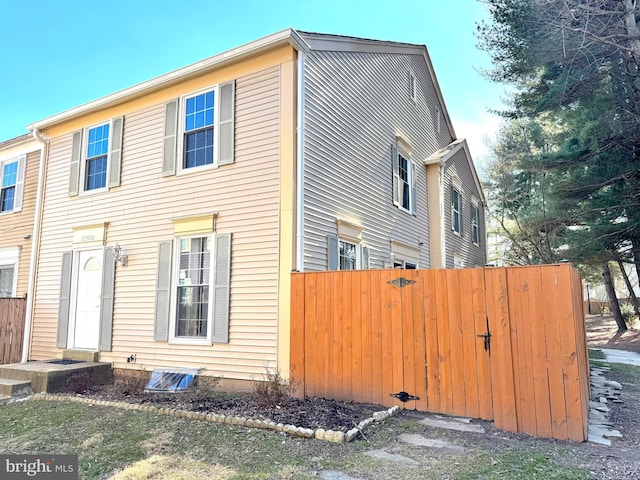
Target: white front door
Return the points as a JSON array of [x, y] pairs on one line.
[[84, 331]]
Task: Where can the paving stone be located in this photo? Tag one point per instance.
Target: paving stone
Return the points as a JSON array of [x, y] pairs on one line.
[[334, 475], [392, 457], [452, 425], [599, 440], [420, 441]]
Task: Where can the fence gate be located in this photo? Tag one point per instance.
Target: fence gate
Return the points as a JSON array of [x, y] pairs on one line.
[[506, 344], [12, 314]]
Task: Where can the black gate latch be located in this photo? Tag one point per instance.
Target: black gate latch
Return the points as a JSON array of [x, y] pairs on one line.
[[487, 340]]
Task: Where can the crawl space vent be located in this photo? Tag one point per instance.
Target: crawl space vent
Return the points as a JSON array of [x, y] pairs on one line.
[[172, 380]]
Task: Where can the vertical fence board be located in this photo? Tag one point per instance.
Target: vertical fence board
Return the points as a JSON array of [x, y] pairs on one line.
[[581, 345], [483, 367], [539, 353], [311, 333], [419, 343], [554, 352], [377, 364], [432, 345], [356, 336], [366, 338], [408, 337], [397, 384], [455, 342], [347, 340], [502, 361], [519, 314], [469, 340], [337, 336], [387, 340], [328, 359], [297, 361], [572, 390], [444, 357]]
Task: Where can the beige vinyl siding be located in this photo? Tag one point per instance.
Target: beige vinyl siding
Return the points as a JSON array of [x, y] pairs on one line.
[[462, 246], [15, 225], [356, 105], [246, 197]]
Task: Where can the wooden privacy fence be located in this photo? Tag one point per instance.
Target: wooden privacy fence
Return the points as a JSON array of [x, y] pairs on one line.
[[12, 314], [502, 344]]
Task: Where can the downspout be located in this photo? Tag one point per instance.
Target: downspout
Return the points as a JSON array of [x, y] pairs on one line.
[[443, 213], [35, 246], [300, 164]]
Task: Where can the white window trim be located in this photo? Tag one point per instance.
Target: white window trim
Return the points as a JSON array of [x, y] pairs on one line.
[[21, 159], [412, 177], [358, 246], [413, 87], [10, 257], [455, 186], [477, 224], [175, 273], [182, 108], [458, 261], [83, 159], [14, 264]]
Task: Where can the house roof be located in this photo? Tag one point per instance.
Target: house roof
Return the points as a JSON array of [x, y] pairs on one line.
[[443, 155], [301, 41], [15, 141]]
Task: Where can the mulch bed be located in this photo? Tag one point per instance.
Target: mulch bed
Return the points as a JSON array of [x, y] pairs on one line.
[[313, 413]]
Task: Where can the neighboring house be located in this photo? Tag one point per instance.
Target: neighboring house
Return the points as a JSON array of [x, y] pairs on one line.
[[175, 210], [19, 163], [457, 209]]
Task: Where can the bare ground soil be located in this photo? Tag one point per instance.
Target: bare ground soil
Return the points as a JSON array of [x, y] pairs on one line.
[[602, 332]]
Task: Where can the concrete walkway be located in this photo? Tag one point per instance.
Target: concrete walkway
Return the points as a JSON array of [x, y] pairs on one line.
[[620, 356]]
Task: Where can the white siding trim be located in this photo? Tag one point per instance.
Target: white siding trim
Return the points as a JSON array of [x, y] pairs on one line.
[[300, 171]]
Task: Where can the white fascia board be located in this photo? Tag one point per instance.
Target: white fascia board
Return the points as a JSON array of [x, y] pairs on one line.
[[287, 36]]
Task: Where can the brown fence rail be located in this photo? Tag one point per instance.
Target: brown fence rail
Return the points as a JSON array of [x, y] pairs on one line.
[[506, 344], [12, 314]]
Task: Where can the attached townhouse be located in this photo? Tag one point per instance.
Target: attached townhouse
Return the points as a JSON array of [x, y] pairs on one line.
[[19, 163], [175, 210]]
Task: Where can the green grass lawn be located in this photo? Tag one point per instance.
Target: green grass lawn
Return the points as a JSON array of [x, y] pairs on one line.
[[130, 444]]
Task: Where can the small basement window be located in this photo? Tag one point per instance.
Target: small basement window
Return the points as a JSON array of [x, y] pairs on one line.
[[172, 380]]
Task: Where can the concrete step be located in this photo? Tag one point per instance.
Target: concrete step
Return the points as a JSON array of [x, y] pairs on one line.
[[83, 355], [51, 375], [10, 387]]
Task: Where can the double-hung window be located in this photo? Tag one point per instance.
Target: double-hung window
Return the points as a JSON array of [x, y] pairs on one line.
[[404, 180], [456, 208], [8, 267], [348, 254], [96, 157], [475, 224], [199, 130], [11, 182], [7, 273], [199, 121], [193, 287]]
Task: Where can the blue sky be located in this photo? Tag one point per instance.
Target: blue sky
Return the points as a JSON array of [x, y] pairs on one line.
[[57, 54]]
